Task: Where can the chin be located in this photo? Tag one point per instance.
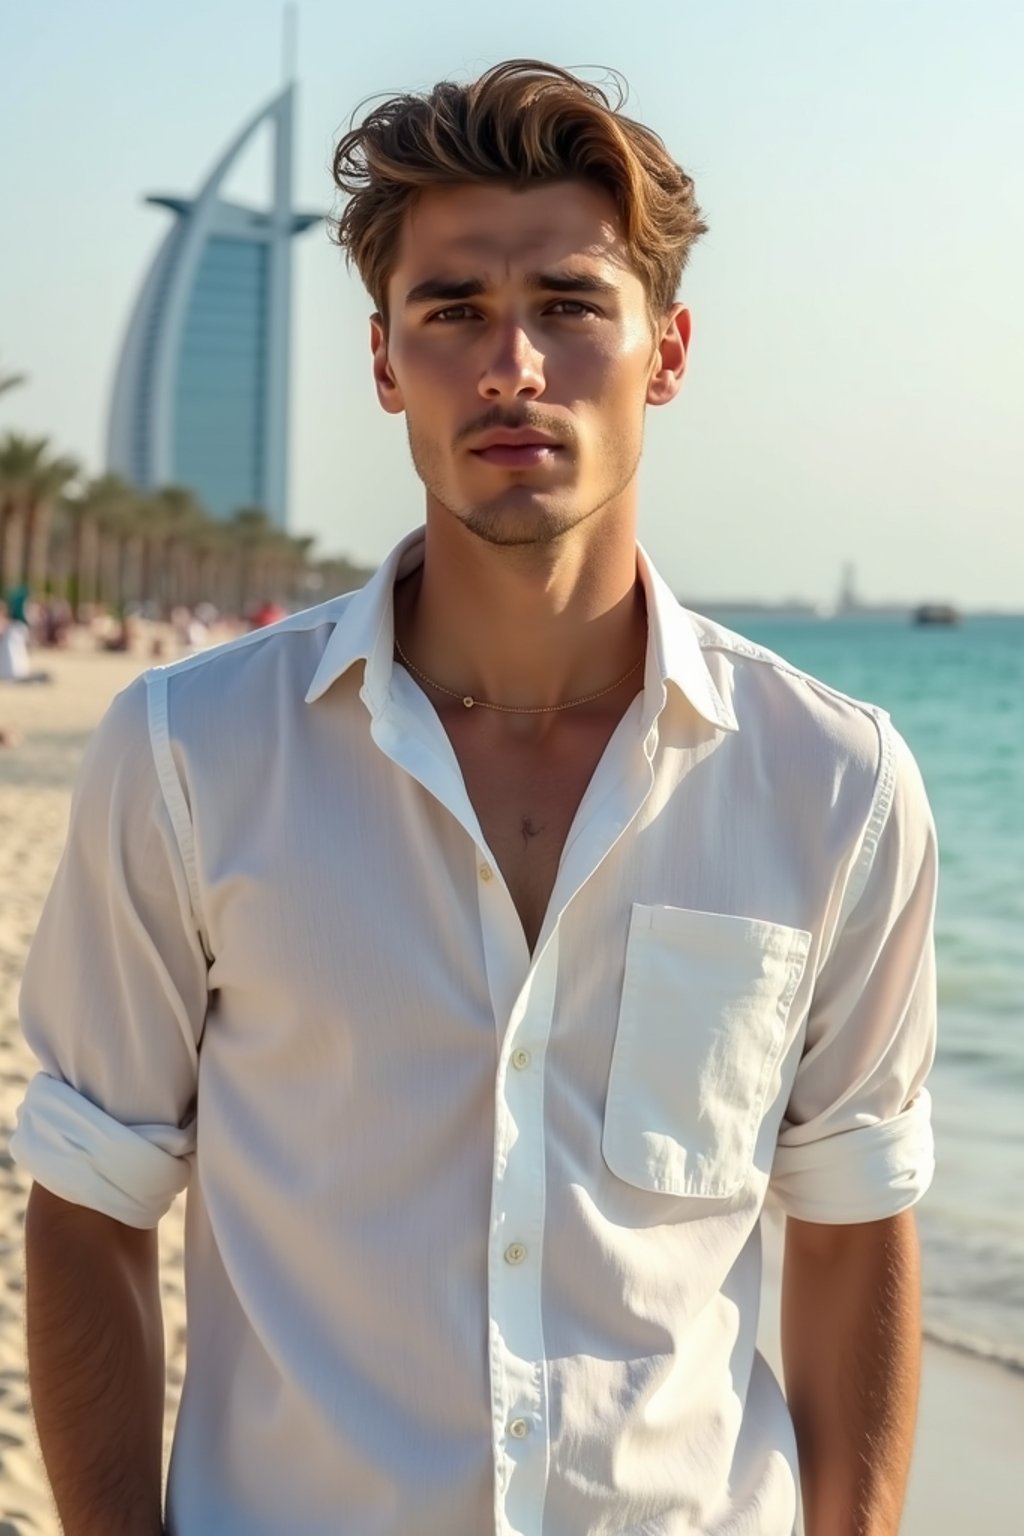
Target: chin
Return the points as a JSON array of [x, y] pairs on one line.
[[521, 524], [523, 514]]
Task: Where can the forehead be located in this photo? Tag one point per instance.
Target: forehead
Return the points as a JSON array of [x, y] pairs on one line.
[[499, 231]]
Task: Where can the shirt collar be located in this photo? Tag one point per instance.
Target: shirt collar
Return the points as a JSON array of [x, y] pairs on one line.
[[365, 628], [673, 650], [364, 631]]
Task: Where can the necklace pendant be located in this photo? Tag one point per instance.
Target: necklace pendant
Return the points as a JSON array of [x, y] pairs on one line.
[[468, 701]]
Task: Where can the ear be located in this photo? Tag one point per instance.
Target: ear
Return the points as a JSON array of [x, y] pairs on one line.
[[388, 392], [669, 363]]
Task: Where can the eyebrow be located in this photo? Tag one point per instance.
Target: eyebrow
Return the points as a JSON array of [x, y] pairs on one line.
[[434, 289]]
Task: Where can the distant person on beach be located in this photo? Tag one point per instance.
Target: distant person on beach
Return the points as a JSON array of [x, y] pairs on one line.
[[267, 613], [15, 660], [57, 621], [15, 664], [484, 950]]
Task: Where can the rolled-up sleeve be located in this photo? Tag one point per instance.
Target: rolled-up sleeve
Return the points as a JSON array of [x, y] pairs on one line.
[[856, 1143], [114, 994]]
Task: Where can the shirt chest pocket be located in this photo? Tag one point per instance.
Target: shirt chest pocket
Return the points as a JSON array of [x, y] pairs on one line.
[[705, 1001]]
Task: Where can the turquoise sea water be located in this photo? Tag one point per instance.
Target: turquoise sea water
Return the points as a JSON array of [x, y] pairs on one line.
[[957, 695]]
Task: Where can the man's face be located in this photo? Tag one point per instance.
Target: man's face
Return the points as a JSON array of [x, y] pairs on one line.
[[521, 349]]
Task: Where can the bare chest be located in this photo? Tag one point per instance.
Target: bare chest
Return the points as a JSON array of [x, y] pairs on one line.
[[526, 798]]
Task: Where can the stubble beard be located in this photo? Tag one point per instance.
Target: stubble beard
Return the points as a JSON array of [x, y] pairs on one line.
[[517, 519]]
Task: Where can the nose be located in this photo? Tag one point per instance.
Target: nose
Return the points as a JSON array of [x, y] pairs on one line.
[[515, 368]]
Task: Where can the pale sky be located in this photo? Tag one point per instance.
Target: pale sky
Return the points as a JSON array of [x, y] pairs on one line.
[[857, 371]]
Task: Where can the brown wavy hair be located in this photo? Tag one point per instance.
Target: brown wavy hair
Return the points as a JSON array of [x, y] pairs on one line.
[[523, 122]]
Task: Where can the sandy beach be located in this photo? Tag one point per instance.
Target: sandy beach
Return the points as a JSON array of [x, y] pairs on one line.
[[968, 1473]]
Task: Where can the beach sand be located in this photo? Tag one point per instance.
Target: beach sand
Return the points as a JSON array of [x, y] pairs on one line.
[[967, 1474]]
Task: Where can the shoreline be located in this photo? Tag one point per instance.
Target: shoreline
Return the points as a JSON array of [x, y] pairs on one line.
[[1007, 1360]]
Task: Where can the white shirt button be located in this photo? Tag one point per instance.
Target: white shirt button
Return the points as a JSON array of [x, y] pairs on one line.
[[515, 1253], [520, 1059], [486, 872], [519, 1429]]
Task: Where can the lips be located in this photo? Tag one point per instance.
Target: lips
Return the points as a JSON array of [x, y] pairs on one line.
[[516, 449], [517, 455]]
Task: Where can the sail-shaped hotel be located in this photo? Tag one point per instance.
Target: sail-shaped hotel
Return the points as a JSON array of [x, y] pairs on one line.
[[201, 390]]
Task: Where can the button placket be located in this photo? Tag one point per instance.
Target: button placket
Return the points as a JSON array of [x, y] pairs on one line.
[[519, 1373]]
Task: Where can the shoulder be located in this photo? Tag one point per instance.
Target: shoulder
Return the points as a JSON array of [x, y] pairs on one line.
[[830, 757], [245, 679], [828, 754], [776, 701], [241, 681], [298, 634]]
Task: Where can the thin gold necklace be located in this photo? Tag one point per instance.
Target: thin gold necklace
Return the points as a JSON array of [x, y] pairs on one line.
[[517, 709]]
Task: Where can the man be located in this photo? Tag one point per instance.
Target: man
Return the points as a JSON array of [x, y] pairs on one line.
[[482, 949], [15, 664]]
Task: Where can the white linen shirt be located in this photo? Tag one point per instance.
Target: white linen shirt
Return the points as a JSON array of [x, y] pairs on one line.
[[472, 1235]]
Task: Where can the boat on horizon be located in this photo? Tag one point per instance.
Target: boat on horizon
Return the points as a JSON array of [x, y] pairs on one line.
[[935, 613]]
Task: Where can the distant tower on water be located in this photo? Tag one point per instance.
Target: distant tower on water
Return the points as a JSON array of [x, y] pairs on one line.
[[849, 599], [201, 391]]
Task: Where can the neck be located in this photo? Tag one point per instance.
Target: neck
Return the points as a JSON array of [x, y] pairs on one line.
[[528, 626]]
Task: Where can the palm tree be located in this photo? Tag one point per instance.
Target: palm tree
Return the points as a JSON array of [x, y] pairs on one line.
[[152, 524], [176, 516], [251, 532], [115, 543], [11, 381], [99, 517], [338, 574], [31, 481], [18, 458], [212, 557], [298, 549], [275, 559], [51, 479]]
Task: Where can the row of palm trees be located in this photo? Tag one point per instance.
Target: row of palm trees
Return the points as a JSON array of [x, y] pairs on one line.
[[104, 542]]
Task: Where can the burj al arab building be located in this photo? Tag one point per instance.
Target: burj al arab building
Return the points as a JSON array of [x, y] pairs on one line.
[[200, 395]]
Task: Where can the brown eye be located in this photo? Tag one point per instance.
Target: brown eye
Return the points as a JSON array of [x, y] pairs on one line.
[[453, 312]]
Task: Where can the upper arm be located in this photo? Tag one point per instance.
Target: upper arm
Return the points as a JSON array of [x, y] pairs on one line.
[[856, 1143], [114, 994]]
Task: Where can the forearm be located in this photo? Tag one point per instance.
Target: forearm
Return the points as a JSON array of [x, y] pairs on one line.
[[851, 1350], [96, 1366]]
